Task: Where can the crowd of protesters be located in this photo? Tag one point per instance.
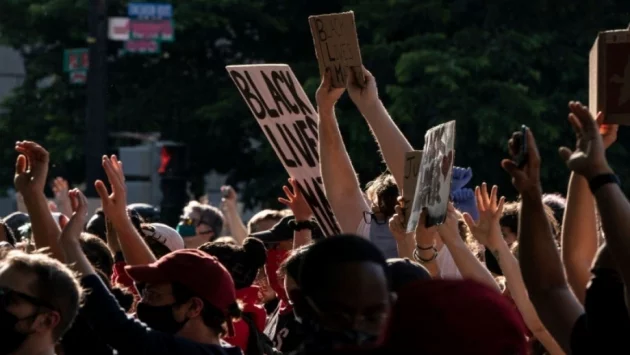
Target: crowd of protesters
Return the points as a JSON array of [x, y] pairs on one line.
[[540, 275]]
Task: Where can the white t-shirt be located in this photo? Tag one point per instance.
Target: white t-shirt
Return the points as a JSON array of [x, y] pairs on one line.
[[446, 265]]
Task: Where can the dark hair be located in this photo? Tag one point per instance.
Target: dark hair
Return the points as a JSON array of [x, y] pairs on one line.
[[212, 317], [323, 259], [124, 297], [383, 193], [8, 233], [136, 220], [243, 262], [404, 272], [97, 253], [557, 203], [292, 264], [96, 225], [509, 218]]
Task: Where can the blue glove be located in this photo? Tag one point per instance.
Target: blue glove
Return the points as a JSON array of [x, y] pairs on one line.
[[464, 200], [461, 176]]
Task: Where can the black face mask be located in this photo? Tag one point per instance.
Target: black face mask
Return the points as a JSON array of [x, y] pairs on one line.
[[159, 318], [11, 338], [326, 339]]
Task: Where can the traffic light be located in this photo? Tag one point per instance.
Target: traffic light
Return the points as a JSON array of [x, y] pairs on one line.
[[173, 172]]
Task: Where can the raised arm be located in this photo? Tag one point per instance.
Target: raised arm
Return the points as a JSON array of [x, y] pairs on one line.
[[301, 211], [390, 139], [31, 171], [340, 180], [230, 209], [541, 266], [469, 266], [133, 247], [488, 232], [589, 160]]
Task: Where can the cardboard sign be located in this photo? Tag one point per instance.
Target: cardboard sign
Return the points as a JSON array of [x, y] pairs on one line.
[[609, 76], [290, 122], [412, 167], [337, 46], [434, 180]]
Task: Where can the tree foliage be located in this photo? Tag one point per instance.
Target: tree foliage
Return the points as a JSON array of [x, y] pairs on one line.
[[490, 65]]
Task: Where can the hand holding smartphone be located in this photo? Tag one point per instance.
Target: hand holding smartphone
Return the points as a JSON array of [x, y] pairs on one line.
[[521, 157]]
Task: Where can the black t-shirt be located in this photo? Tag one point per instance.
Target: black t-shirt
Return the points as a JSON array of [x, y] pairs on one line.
[[605, 326], [284, 331]]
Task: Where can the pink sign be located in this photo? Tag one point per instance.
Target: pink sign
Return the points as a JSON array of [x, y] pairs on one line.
[[147, 29], [142, 46]]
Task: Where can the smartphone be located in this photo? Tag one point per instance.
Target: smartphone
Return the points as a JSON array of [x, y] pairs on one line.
[[521, 158]]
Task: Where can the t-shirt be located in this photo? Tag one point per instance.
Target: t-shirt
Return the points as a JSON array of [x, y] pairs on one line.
[[130, 336], [380, 235], [446, 265], [605, 325], [284, 331]]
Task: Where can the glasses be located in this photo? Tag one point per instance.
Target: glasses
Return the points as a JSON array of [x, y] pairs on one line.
[[341, 317], [371, 217], [190, 222], [9, 296]]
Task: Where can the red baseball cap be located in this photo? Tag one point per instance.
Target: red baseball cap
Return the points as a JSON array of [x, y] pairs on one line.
[[454, 317], [201, 273]]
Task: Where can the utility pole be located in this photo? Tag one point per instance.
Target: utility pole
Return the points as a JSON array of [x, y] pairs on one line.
[[96, 117]]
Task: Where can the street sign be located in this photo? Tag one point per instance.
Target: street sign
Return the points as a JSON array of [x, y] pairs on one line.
[[150, 11], [142, 46], [118, 28], [75, 59], [159, 30]]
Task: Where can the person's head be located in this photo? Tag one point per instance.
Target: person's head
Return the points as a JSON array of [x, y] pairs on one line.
[[6, 234], [207, 220], [186, 292], [404, 272], [264, 220], [97, 225], [289, 272], [149, 213], [557, 203], [16, 220], [344, 292], [383, 193], [243, 262], [161, 238], [509, 221], [97, 253], [478, 320], [39, 299]]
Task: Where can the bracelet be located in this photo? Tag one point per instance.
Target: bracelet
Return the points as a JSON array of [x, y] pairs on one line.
[[424, 261], [301, 225], [600, 180], [421, 248]]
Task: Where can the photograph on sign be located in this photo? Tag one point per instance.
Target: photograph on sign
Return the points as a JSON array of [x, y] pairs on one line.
[[118, 28], [290, 123], [412, 167], [337, 46], [434, 179]]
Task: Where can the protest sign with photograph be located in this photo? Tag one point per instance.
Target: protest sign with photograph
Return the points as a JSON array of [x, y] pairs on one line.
[[337, 46], [434, 181], [412, 167], [609, 76], [288, 119]]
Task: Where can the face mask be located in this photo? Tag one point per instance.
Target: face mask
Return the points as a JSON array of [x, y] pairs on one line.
[[159, 318], [326, 339], [274, 259], [11, 338]]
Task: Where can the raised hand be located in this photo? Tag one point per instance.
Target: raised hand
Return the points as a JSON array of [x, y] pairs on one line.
[[296, 201], [588, 159], [327, 95], [449, 230], [397, 226], [60, 188], [229, 196], [362, 94], [72, 231], [526, 179], [31, 167], [461, 177], [114, 204], [488, 230]]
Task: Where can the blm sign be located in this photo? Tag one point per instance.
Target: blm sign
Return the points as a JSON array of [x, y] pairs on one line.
[[413, 160], [434, 180], [290, 123], [337, 46]]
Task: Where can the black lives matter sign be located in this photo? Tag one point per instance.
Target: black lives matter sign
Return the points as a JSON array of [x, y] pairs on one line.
[[290, 123], [337, 46]]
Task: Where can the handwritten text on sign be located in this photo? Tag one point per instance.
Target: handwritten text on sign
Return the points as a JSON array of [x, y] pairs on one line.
[[290, 123], [413, 160], [337, 46]]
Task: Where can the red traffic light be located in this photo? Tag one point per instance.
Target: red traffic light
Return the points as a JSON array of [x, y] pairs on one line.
[[165, 159]]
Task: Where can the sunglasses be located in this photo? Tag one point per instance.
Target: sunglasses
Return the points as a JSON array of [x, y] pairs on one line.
[[9, 296]]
